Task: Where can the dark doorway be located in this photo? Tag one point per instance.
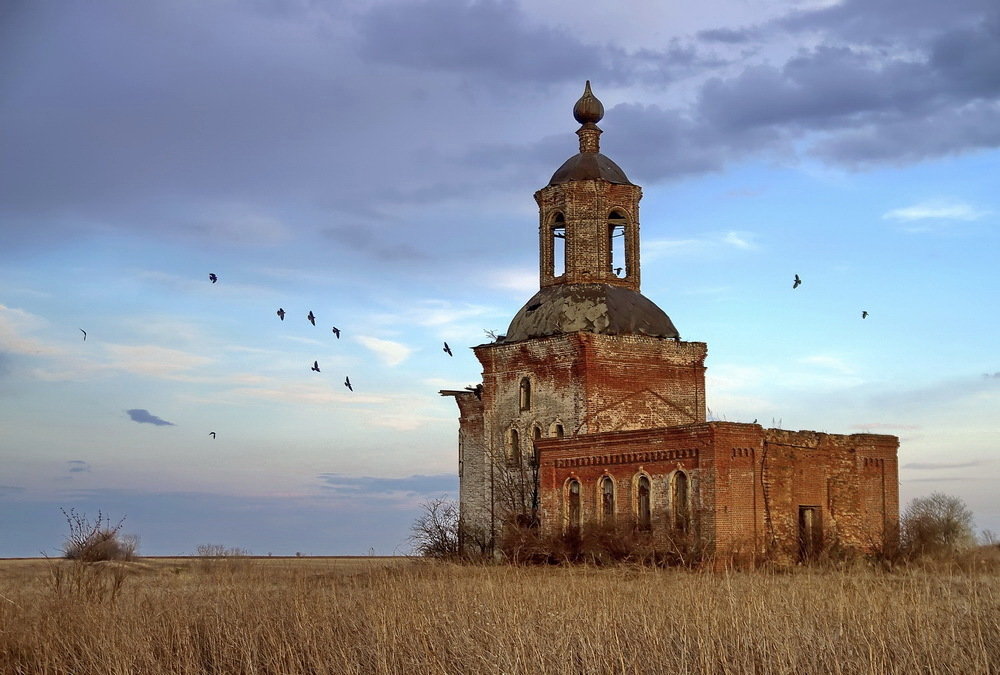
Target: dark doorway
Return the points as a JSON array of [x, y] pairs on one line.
[[810, 532]]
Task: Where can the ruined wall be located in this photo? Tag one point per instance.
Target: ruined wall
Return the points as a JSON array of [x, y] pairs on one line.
[[624, 456], [584, 382], [473, 468], [749, 486]]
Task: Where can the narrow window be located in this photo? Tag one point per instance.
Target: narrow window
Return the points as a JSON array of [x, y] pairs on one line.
[[558, 246], [607, 499], [642, 504], [536, 433], [557, 430], [525, 395], [514, 449], [679, 500], [573, 510], [617, 263]]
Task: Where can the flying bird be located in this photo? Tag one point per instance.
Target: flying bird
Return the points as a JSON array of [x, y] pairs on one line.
[[618, 271], [347, 383], [315, 366], [213, 278], [312, 318], [798, 282], [864, 314], [212, 434], [336, 331], [447, 349], [281, 313], [84, 334]]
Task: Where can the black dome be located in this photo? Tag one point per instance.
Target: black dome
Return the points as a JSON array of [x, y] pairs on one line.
[[589, 165], [590, 308]]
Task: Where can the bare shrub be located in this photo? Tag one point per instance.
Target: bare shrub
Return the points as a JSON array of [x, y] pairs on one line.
[[936, 526], [93, 541], [434, 534]]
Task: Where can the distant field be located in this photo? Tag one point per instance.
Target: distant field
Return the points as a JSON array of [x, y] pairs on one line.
[[393, 615]]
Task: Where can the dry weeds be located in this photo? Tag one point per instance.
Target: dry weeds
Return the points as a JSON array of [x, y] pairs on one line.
[[374, 616]]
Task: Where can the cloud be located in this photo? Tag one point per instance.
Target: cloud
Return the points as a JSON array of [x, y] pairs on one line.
[[708, 245], [10, 490], [144, 417], [79, 466], [520, 280], [934, 210], [388, 352], [934, 466], [155, 361], [376, 487]]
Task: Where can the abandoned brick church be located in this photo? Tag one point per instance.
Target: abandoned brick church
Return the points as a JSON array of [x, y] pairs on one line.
[[592, 409]]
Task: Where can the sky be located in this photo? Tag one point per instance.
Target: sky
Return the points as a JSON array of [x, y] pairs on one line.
[[374, 162]]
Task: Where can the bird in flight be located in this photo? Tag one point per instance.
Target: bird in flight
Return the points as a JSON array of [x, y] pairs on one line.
[[84, 334], [336, 331], [798, 282], [213, 278], [212, 434], [312, 318], [447, 349], [281, 313], [315, 366], [864, 314], [347, 383], [618, 271]]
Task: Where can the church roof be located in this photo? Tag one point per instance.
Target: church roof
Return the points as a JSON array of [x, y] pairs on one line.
[[589, 308]]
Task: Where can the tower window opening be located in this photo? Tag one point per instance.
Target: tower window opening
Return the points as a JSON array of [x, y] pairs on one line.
[[558, 245], [617, 262], [524, 396]]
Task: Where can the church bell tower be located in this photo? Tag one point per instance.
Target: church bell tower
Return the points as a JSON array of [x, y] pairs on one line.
[[587, 353]]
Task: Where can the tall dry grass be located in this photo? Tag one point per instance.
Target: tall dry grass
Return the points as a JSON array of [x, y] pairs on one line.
[[248, 616]]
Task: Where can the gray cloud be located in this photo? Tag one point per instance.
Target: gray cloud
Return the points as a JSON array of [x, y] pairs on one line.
[[144, 417], [78, 466], [372, 486], [933, 466]]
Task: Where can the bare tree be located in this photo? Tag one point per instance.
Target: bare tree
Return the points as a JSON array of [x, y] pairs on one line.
[[435, 531], [936, 525]]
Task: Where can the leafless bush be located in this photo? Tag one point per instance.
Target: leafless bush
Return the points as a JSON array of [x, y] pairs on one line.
[[434, 534], [606, 544], [936, 526], [92, 541]]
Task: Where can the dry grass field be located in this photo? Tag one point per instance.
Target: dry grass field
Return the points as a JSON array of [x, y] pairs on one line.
[[404, 616]]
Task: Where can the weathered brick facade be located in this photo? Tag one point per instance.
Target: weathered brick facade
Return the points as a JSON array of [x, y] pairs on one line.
[[592, 408]]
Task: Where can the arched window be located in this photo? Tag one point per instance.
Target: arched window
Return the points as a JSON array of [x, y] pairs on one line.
[[556, 430], [525, 394], [558, 245], [573, 507], [607, 499], [642, 503], [679, 500], [617, 258], [536, 434], [514, 448]]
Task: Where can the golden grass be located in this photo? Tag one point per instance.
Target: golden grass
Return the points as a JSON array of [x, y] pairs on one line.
[[385, 616]]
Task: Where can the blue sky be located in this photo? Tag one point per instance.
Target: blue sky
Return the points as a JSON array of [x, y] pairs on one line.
[[374, 162]]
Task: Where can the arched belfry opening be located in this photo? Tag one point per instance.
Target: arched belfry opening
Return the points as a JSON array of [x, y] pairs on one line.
[[588, 213]]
